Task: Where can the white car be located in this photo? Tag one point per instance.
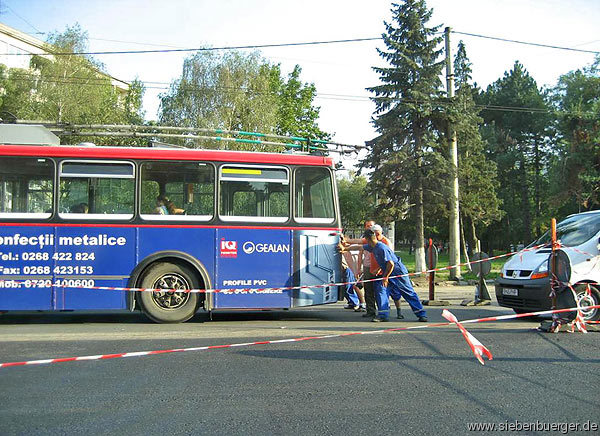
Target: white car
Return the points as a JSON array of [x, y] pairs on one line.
[[525, 284]]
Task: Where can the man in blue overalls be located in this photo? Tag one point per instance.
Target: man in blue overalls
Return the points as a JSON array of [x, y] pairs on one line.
[[391, 266]]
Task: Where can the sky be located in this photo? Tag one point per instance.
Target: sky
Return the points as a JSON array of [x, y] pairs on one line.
[[340, 72]]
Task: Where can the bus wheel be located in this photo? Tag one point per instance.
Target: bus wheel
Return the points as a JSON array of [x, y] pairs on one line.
[[169, 306], [587, 299]]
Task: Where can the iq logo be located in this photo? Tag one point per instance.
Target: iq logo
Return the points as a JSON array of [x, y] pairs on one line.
[[228, 248]]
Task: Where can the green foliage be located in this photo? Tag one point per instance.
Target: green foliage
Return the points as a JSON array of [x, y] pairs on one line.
[[479, 204], [576, 172], [356, 204], [520, 143], [406, 156], [296, 115], [69, 89], [229, 92], [240, 92]]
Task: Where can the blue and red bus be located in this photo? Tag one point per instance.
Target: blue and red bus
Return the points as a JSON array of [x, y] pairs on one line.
[[73, 218]]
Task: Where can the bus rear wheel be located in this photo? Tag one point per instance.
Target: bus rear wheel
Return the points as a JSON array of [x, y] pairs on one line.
[[169, 306]]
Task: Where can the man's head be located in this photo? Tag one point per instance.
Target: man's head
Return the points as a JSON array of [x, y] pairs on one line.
[[370, 237], [377, 229], [369, 223]]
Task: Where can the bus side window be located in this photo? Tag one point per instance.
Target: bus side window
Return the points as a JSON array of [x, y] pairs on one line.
[[96, 189], [177, 190], [26, 187], [254, 193]]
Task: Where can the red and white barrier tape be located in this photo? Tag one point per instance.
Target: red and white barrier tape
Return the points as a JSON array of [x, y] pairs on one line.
[[564, 247], [278, 341], [267, 290], [477, 347]]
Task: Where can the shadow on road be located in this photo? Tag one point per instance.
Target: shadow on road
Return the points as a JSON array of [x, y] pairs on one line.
[[331, 314]]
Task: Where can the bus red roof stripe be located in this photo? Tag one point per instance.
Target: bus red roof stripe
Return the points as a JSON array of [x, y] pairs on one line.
[[102, 152], [175, 224]]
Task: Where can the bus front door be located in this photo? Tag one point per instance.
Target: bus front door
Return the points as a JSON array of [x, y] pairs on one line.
[[316, 263]]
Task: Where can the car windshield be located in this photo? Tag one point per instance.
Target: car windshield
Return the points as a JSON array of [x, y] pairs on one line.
[[574, 230]]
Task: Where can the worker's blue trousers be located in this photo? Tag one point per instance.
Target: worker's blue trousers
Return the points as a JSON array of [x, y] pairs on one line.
[[397, 287], [350, 293]]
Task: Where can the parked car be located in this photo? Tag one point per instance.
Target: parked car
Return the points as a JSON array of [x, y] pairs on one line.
[[524, 284]]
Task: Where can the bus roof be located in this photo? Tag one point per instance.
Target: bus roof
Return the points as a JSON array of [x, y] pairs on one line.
[[103, 152]]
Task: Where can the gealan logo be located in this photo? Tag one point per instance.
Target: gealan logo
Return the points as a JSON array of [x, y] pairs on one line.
[[251, 247], [228, 248]]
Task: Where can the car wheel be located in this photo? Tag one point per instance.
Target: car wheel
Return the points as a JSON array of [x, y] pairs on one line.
[[588, 296]]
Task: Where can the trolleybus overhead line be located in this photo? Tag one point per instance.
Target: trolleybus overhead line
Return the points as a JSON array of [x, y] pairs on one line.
[[136, 131]]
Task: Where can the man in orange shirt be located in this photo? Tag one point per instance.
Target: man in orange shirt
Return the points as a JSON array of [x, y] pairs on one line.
[[364, 265], [371, 270], [353, 293]]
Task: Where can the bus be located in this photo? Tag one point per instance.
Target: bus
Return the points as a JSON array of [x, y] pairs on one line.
[[75, 218]]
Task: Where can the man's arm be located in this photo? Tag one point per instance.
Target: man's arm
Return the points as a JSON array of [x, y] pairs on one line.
[[389, 267], [360, 259], [355, 241]]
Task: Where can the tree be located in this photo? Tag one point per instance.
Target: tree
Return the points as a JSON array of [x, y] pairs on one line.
[[241, 92], [576, 180], [516, 128], [296, 115], [479, 204], [356, 204], [405, 155], [233, 91], [69, 88]]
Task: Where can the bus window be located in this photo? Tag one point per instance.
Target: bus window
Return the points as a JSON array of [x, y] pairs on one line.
[[94, 189], [314, 196], [26, 187], [254, 194], [187, 187]]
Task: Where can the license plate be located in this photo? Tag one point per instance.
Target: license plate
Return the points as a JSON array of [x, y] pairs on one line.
[[510, 291]]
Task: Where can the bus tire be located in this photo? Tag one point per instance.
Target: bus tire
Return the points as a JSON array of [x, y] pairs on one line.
[[169, 307]]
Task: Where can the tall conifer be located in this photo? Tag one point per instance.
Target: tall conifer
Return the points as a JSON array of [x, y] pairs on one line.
[[405, 153]]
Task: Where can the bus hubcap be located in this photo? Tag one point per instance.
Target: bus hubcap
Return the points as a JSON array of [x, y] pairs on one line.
[[170, 299]]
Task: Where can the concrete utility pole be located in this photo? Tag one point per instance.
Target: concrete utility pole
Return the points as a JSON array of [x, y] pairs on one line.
[[454, 243]]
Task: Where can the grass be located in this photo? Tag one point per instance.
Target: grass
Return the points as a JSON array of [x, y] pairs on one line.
[[409, 261]]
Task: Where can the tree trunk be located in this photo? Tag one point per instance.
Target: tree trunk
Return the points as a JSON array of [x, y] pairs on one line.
[[419, 227], [476, 244], [525, 206], [464, 246]]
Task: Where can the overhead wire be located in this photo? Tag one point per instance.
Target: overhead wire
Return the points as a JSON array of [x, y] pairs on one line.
[[91, 81], [288, 44], [200, 49], [535, 44], [37, 31]]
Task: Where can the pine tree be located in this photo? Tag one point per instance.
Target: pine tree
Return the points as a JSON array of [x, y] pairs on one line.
[[576, 174], [479, 204], [519, 145], [407, 116]]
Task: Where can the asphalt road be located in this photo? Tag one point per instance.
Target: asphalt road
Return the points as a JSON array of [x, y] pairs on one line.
[[423, 381]]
